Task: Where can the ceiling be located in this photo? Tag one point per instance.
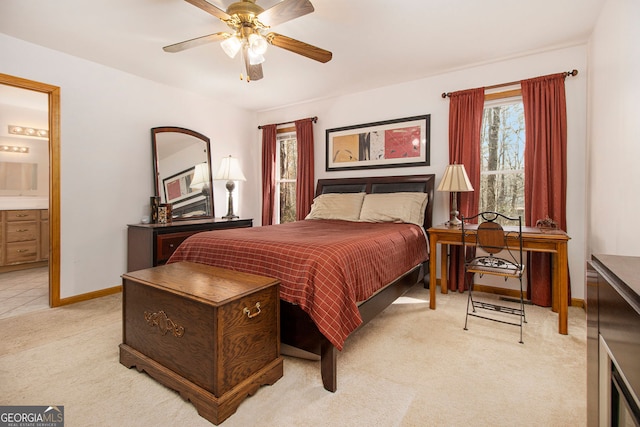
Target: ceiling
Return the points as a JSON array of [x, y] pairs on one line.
[[374, 43]]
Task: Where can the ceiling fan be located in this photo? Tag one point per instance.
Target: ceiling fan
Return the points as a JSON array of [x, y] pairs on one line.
[[249, 24]]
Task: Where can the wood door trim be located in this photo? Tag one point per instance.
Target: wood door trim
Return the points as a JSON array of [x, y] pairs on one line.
[[53, 93]]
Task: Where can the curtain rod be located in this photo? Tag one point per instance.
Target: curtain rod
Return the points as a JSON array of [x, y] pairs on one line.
[[314, 119], [566, 73]]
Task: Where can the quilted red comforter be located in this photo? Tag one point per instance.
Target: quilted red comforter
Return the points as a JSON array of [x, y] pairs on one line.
[[324, 266]]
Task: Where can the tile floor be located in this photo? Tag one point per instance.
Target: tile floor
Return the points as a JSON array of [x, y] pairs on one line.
[[24, 291]]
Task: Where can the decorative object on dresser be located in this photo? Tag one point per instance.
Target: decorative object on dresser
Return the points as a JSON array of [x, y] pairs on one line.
[[149, 245], [455, 180], [178, 153], [164, 213], [24, 238], [320, 304], [208, 333], [154, 204], [230, 171]]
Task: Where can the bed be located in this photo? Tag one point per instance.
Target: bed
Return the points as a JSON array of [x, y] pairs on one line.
[[337, 271]]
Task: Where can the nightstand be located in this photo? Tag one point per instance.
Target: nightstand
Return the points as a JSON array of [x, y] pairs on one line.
[[150, 245]]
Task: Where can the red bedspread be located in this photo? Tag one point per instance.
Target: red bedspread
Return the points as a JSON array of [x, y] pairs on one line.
[[324, 266]]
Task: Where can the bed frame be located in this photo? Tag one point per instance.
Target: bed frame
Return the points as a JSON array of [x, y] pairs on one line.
[[296, 327]]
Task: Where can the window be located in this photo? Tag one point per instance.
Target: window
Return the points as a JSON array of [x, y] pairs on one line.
[[502, 157], [287, 166]]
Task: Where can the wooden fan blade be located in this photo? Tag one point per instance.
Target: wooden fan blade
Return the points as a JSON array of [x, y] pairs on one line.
[[285, 11], [299, 47], [209, 8], [254, 72], [188, 44]]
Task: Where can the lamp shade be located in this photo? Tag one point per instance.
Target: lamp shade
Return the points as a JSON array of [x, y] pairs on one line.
[[455, 179], [200, 177], [230, 170], [231, 46]]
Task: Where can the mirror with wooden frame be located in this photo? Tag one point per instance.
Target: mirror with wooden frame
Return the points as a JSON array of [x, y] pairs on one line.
[[182, 171]]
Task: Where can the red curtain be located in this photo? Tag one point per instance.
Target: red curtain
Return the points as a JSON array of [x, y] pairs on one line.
[[268, 173], [305, 180], [545, 175], [465, 124]]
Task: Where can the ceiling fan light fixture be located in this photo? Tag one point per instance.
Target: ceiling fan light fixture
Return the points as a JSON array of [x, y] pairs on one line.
[[248, 24], [231, 46], [255, 58], [257, 44]]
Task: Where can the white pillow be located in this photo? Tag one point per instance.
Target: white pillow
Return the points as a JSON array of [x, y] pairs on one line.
[[394, 207], [344, 206]]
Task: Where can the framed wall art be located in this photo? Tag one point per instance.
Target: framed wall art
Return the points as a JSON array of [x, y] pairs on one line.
[[391, 143], [178, 187]]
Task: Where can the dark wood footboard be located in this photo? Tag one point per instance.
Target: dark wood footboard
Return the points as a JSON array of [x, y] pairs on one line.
[[298, 330]]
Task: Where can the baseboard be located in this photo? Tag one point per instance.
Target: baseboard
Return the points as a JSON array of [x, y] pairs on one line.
[[90, 295], [25, 266], [513, 293], [576, 302]]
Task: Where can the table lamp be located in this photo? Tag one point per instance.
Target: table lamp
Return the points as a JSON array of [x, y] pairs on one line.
[[455, 180], [200, 181], [230, 171]]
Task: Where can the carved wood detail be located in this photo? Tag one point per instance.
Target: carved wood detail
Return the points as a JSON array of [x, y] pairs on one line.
[[164, 324]]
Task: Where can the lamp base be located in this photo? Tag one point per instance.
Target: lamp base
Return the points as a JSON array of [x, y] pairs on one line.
[[454, 219], [230, 215]]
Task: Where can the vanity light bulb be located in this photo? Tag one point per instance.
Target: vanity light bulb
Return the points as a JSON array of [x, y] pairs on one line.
[[14, 149], [25, 131]]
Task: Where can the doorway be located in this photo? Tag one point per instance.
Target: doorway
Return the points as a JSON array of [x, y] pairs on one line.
[[53, 106]]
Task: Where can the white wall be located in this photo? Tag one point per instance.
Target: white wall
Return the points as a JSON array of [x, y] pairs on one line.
[[614, 125], [424, 97], [106, 171], [106, 162]]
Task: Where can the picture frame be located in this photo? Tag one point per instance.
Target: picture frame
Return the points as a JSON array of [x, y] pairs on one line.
[[393, 143], [177, 187]]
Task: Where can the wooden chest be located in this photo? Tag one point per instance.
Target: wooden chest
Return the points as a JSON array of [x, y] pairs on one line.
[[209, 333]]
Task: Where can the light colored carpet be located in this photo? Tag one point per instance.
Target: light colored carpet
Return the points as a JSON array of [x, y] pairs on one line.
[[410, 366]]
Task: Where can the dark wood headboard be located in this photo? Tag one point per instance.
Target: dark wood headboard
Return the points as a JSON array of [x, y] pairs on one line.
[[383, 184]]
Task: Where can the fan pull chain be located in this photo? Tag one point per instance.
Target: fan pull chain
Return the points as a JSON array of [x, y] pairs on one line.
[[243, 67]]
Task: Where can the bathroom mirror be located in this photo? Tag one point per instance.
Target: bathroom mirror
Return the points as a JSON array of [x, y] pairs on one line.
[[182, 172]]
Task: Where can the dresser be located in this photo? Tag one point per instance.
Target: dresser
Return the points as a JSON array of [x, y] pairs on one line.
[[150, 245], [24, 237], [613, 341]]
